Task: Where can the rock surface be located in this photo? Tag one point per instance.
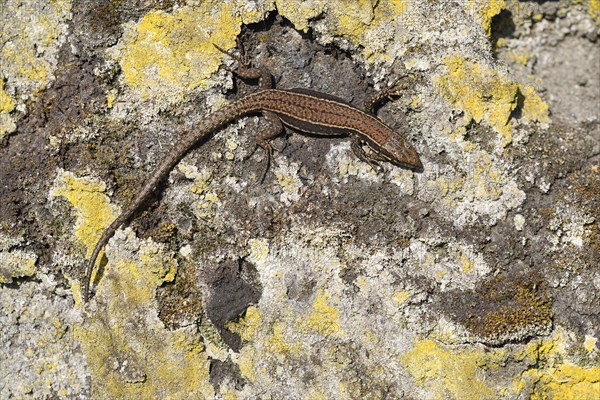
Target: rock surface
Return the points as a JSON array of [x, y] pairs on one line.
[[477, 277]]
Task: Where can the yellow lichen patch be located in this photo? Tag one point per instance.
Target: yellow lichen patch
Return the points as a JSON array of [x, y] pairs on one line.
[[248, 327], [554, 377], [30, 41], [401, 297], [202, 179], [247, 362], [259, 250], [7, 124], [534, 108], [485, 180], [16, 264], [110, 98], [255, 11], [278, 342], [481, 92], [518, 56], [355, 23], [93, 209], [593, 9], [267, 341], [317, 393], [6, 102], [228, 393], [287, 177], [352, 166], [170, 54], [136, 279], [132, 360], [451, 374], [568, 381], [129, 351], [467, 263], [32, 33], [207, 200], [354, 20], [300, 12], [545, 351], [324, 318], [485, 11], [590, 343]]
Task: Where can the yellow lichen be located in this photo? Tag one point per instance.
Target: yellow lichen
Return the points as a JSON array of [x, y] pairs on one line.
[[354, 21], [590, 343], [248, 328], [300, 12], [317, 393], [34, 32], [255, 11], [247, 363], [128, 350], [30, 39], [568, 381], [110, 98], [93, 209], [485, 95], [174, 53], [279, 342], [448, 373], [291, 184], [517, 56], [467, 263], [130, 358], [482, 182], [485, 11], [481, 92], [6, 102], [554, 377], [401, 297], [248, 325], [228, 393], [16, 264], [324, 318], [593, 9], [273, 338], [534, 108], [259, 250], [352, 166]]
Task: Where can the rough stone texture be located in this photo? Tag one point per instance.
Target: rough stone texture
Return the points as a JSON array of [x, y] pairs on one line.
[[475, 278]]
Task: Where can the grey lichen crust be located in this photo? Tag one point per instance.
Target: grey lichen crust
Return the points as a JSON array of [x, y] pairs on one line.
[[39, 357], [476, 277]]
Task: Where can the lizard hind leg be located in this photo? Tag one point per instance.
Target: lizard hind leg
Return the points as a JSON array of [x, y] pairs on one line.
[[274, 130]]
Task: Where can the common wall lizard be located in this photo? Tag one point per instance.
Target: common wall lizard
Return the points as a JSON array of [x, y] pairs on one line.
[[301, 109]]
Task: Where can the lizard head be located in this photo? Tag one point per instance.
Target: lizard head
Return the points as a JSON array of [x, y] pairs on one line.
[[393, 148], [398, 151]]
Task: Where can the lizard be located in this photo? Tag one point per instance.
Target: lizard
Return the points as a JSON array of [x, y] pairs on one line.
[[301, 109]]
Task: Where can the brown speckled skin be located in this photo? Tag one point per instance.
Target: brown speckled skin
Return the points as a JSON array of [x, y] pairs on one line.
[[311, 112], [302, 109]]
